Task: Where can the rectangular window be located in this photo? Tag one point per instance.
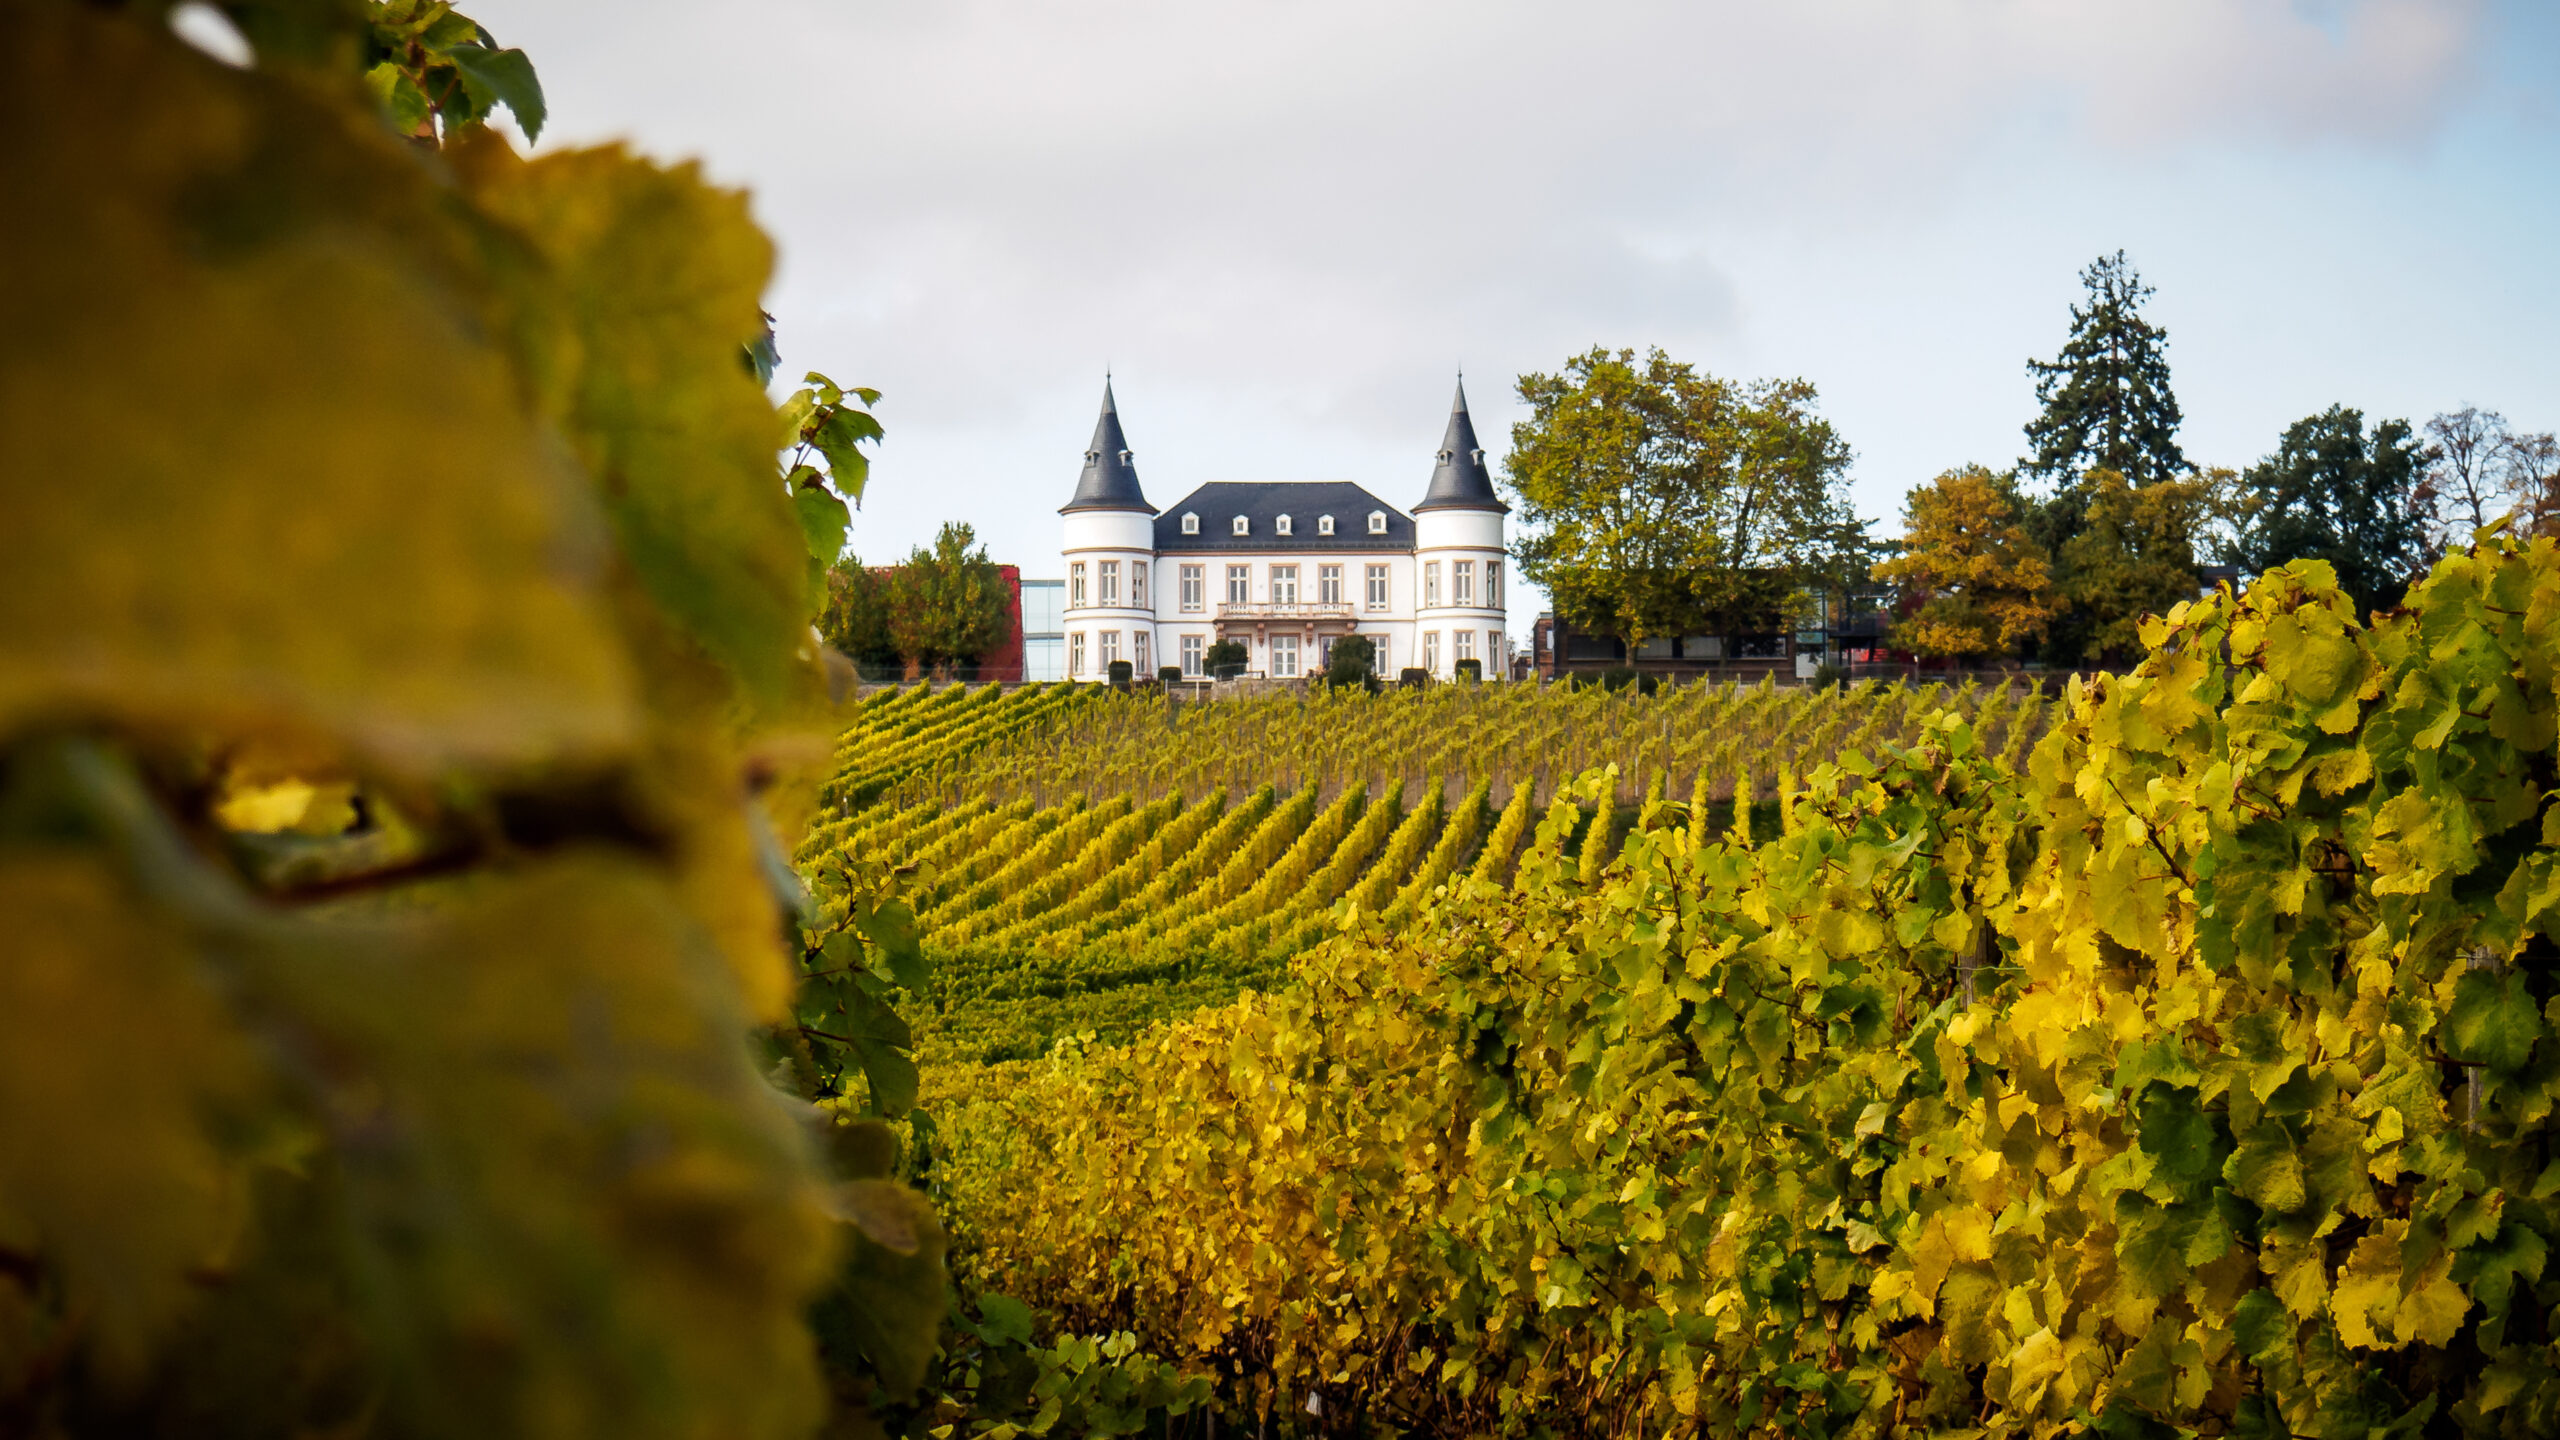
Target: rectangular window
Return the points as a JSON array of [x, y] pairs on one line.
[[1466, 643], [1139, 648], [1431, 651], [1462, 582], [1324, 652], [1493, 584], [1195, 590], [1192, 648], [1385, 663], [1138, 584], [1075, 650], [1284, 584], [1495, 656], [1431, 583], [1110, 649], [1329, 584], [1110, 583], [1377, 587], [1239, 584], [1284, 657], [1075, 583]]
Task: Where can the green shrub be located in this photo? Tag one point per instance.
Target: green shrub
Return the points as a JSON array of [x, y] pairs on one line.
[[1619, 677], [1354, 662]]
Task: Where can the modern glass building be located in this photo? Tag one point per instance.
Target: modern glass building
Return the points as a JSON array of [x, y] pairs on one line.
[[1044, 629]]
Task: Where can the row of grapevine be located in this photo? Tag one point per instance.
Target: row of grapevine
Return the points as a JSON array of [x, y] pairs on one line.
[[2199, 1076], [1076, 906], [1051, 743]]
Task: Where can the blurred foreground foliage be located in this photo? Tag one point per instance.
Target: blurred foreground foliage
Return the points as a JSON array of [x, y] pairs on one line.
[[400, 607]]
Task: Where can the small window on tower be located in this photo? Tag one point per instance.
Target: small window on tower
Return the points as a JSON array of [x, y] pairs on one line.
[[1243, 526], [1377, 522], [1190, 524], [1324, 524], [1281, 525]]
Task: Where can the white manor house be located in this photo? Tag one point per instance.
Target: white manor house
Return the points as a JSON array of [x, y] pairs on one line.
[[1286, 567]]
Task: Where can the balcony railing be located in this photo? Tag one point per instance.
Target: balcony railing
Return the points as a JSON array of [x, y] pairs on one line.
[[1274, 610]]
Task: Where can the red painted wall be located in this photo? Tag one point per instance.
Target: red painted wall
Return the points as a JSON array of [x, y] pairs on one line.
[[1005, 661]]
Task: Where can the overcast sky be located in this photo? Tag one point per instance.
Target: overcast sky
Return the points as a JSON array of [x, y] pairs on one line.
[[1284, 224]]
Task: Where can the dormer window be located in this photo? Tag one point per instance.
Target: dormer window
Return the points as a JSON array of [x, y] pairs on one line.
[[1282, 526], [1377, 522], [1324, 524], [1190, 523], [1243, 526]]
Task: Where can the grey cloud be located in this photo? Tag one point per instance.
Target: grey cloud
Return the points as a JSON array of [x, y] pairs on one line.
[[1287, 222]]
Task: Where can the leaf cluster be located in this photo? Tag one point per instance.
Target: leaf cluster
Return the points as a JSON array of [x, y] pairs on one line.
[[1984, 584], [378, 737]]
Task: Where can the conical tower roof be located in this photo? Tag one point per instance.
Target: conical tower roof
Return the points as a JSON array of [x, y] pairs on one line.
[[1109, 481], [1459, 481]]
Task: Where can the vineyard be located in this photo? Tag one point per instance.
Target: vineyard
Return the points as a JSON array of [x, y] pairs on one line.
[[1087, 861], [2195, 1077]]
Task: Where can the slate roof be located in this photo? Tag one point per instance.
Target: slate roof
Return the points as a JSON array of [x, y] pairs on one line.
[[1263, 503], [1110, 480], [1459, 480]]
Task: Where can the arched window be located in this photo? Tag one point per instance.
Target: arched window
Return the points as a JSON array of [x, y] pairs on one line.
[[1282, 525], [1377, 522], [1190, 523], [1324, 524], [1243, 526]]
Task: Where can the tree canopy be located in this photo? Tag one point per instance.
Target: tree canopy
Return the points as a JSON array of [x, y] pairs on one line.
[[1657, 499], [855, 621], [1986, 584], [947, 603], [2135, 556], [2333, 492]]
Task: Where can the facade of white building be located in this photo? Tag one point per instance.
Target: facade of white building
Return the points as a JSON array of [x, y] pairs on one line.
[[1286, 567]]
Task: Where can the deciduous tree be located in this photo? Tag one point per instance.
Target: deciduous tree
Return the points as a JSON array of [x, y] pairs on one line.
[[2136, 556], [2463, 450], [1660, 500], [2529, 470], [2333, 492], [1985, 582], [947, 604], [856, 618]]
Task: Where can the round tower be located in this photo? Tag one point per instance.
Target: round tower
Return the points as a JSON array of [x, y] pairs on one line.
[[1458, 550], [1110, 557]]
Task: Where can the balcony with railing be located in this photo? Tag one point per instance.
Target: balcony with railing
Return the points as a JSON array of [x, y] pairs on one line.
[[1234, 610]]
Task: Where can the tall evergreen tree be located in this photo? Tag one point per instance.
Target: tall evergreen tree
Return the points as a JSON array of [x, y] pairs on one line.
[[2106, 405], [2106, 397]]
